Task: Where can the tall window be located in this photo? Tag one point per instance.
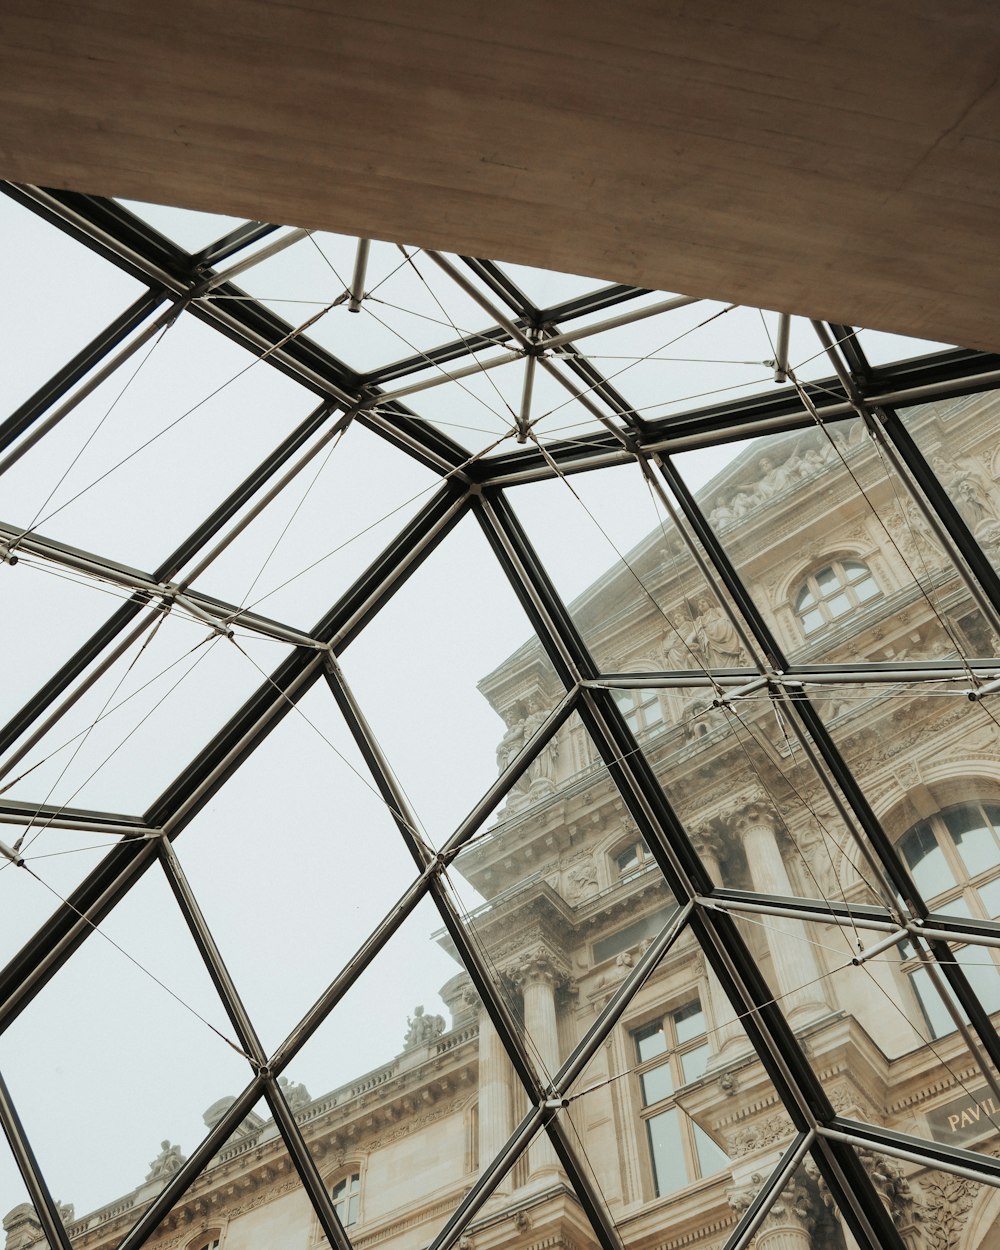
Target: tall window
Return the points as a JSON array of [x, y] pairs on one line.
[[346, 1195], [954, 858], [671, 1052], [642, 709], [833, 592]]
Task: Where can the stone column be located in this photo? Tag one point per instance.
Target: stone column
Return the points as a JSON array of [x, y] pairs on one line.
[[728, 1037], [796, 970], [791, 1220], [538, 977], [495, 1078]]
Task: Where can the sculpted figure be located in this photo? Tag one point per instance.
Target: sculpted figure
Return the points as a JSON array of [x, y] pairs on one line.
[[422, 1029], [773, 477], [166, 1162], [722, 514], [713, 636], [581, 882], [512, 741], [544, 767]]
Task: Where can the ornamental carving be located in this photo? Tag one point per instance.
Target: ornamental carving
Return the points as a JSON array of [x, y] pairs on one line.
[[949, 1200], [797, 1206], [764, 1133]]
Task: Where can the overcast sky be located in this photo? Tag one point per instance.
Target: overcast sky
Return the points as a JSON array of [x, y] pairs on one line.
[[296, 859]]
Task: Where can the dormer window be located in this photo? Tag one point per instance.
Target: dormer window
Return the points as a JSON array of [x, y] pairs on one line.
[[833, 592], [642, 709], [632, 860]]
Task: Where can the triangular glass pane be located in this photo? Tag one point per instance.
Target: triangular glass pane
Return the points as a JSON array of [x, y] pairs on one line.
[[136, 1070], [696, 356], [673, 1117], [882, 348], [71, 608], [393, 1070], [862, 1018], [134, 730], [423, 308], [249, 1183], [957, 438], [555, 892], [190, 229], [297, 557], [548, 287], [837, 557], [477, 411], [923, 755], [722, 767], [162, 440], [424, 674], [652, 609], [37, 294], [61, 859], [298, 835]]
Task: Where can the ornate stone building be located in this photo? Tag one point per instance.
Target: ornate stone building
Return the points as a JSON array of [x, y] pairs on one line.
[[676, 1116]]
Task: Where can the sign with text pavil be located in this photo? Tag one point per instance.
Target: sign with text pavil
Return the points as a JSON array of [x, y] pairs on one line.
[[965, 1118]]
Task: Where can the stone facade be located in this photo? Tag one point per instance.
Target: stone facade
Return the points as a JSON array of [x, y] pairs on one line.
[[676, 1116]]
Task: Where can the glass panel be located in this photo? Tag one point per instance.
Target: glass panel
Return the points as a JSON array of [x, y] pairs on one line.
[[657, 1084], [957, 438], [650, 1041], [695, 1061], [71, 609], [37, 293], [296, 559], [162, 440], [58, 864], [191, 230], [926, 860], [305, 857], [669, 1169], [67, 1062], [267, 1203], [146, 717], [788, 531], [405, 1111], [651, 609], [976, 841], [434, 658]]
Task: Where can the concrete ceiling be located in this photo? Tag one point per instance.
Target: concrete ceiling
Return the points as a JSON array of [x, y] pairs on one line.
[[838, 159]]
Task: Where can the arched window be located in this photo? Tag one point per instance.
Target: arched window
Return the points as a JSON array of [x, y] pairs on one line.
[[346, 1195], [954, 858], [833, 592]]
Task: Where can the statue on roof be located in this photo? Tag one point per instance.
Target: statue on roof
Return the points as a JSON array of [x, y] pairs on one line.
[[422, 1029], [166, 1162]]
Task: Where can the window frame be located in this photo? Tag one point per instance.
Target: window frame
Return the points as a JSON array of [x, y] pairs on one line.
[[636, 716], [808, 584], [671, 1058], [964, 889], [349, 1176], [644, 860]]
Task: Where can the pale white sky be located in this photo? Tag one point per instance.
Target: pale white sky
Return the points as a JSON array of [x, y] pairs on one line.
[[296, 859]]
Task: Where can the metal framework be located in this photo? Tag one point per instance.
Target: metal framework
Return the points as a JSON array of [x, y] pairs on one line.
[[551, 342]]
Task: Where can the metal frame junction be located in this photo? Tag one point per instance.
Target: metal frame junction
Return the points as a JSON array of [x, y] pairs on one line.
[[551, 340]]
